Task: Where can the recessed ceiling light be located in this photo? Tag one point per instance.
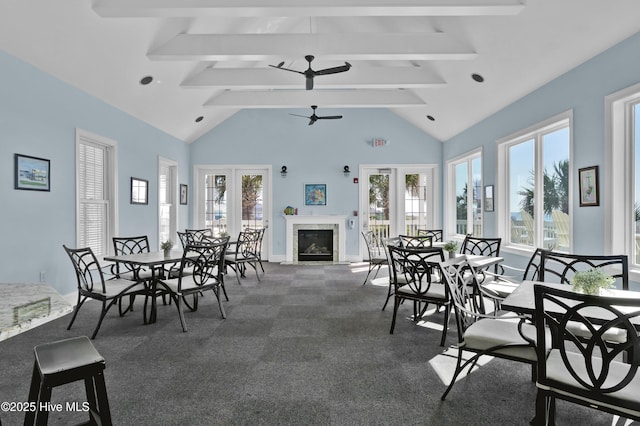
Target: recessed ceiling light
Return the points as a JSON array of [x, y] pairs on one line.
[[430, 117], [477, 77], [146, 80], [199, 119]]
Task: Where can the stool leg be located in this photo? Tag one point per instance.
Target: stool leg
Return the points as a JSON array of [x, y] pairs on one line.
[[45, 396], [103, 400], [91, 393], [30, 416]]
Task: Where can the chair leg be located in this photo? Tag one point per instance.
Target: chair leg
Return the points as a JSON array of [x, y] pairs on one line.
[[178, 301], [396, 303], [445, 324], [34, 389], [79, 304], [388, 296], [216, 291], [455, 375], [103, 400], [105, 309]]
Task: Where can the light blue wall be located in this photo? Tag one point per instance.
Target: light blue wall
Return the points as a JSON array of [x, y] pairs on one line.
[[314, 154], [38, 116], [582, 90]]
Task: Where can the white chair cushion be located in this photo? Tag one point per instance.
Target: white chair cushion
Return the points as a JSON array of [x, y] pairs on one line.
[[118, 285], [488, 333], [436, 291], [187, 283], [614, 335], [557, 371]]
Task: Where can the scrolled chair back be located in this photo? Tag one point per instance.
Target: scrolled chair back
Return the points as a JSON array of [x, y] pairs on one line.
[[588, 364], [416, 241], [199, 234], [88, 272], [561, 267], [455, 274], [415, 267], [435, 234], [207, 261]]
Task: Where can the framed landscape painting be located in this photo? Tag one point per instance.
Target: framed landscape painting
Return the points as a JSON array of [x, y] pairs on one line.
[[32, 173], [315, 194]]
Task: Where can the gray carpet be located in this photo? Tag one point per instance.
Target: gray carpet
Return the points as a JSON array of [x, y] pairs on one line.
[[308, 345]]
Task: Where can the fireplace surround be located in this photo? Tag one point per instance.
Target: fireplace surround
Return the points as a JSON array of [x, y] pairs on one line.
[[336, 223]]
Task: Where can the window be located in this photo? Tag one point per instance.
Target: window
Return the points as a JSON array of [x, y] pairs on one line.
[[464, 204], [167, 204], [622, 195], [96, 189], [534, 180]]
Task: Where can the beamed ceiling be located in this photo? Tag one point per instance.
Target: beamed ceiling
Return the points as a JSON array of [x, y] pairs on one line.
[[210, 58]]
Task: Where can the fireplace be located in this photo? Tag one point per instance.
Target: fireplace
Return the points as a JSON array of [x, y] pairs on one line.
[[333, 223], [315, 245]]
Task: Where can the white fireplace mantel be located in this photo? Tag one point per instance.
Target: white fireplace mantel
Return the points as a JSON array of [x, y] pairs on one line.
[[339, 220]]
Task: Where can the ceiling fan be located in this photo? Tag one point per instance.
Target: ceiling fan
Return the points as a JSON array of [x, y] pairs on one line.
[[313, 118], [310, 74]]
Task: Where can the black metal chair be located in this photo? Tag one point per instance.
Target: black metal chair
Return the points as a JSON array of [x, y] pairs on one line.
[[92, 285], [510, 337], [185, 238], [132, 245], [414, 278], [499, 286], [198, 234], [62, 362], [259, 245], [481, 246], [245, 253], [587, 370], [416, 241], [435, 234], [394, 242], [375, 250], [560, 267], [205, 262]]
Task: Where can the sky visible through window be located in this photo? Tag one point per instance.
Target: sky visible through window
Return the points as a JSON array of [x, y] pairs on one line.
[[521, 162]]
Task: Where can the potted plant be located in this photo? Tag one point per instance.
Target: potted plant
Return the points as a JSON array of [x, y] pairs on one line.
[[166, 247], [451, 247], [591, 281]]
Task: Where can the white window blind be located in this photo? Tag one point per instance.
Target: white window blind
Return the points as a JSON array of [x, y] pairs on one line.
[[93, 201]]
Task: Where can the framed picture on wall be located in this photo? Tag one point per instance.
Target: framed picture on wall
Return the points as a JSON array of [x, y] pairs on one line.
[[139, 191], [31, 173], [588, 183], [315, 194], [183, 193]]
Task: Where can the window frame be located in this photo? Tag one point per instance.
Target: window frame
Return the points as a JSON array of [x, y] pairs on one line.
[[451, 200], [503, 215], [84, 137], [619, 176]]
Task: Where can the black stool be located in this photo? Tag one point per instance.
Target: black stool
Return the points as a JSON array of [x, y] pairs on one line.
[[63, 362]]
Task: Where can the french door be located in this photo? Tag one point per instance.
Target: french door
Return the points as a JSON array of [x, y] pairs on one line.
[[230, 199], [398, 200]]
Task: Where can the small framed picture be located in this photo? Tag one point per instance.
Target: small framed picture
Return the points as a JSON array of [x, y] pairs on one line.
[[139, 191], [183, 193], [488, 198], [315, 194], [31, 173], [588, 186]]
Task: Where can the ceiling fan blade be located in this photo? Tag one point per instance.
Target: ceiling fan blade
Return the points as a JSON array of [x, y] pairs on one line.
[[334, 70], [309, 83], [311, 121], [298, 115], [280, 67], [330, 117]]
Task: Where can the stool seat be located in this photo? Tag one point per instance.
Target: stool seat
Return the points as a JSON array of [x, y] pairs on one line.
[[67, 361]]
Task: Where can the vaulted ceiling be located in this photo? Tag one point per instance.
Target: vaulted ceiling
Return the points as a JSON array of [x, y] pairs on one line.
[[210, 58]]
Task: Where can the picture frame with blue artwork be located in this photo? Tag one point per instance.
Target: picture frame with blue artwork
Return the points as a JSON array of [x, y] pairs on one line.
[[315, 194]]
